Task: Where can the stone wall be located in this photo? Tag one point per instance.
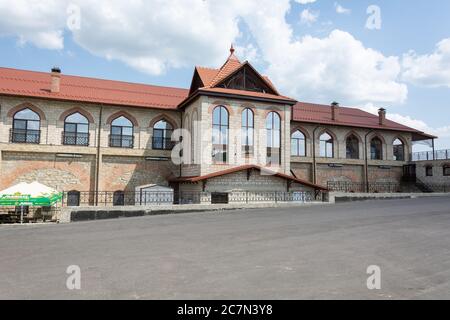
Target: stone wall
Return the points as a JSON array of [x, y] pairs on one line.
[[438, 172]]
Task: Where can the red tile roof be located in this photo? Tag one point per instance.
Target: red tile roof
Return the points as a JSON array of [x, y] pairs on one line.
[[73, 88], [247, 167], [352, 117]]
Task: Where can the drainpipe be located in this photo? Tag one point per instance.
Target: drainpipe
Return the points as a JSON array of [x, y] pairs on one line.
[[314, 155], [181, 121], [366, 160], [97, 169], [434, 151]]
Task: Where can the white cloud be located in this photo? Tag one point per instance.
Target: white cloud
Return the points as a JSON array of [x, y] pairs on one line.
[[441, 132], [430, 70], [305, 1], [337, 67], [340, 9], [308, 17], [37, 22], [156, 35]]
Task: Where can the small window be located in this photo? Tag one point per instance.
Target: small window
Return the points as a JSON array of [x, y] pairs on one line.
[[119, 198], [429, 171], [447, 170], [73, 198]]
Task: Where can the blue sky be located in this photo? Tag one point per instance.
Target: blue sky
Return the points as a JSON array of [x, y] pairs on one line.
[[326, 55]]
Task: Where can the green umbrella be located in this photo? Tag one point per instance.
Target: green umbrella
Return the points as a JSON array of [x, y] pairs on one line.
[[32, 194]]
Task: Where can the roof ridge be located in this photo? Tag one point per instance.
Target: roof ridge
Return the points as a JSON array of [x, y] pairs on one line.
[[92, 78]]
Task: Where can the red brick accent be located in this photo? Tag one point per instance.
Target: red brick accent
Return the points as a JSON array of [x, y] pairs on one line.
[[163, 117], [83, 112], [26, 105], [122, 113]]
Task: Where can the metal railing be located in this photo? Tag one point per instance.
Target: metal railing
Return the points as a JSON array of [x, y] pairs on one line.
[[428, 155], [24, 136], [159, 143], [121, 141], [149, 198], [360, 187], [75, 138]]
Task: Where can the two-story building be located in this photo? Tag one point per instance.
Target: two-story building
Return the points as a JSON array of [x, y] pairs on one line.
[[238, 133]]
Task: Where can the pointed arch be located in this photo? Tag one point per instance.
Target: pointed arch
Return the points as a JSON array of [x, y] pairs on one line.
[[125, 114], [327, 146], [26, 105], [164, 117], [79, 110]]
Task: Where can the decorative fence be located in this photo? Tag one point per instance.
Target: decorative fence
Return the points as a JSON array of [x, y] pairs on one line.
[[131, 198], [360, 187], [428, 155]]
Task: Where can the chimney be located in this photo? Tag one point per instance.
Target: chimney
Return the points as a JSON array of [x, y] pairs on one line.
[[56, 80], [382, 116], [335, 111]]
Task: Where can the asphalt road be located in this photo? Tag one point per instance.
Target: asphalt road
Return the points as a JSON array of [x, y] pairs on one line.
[[302, 253]]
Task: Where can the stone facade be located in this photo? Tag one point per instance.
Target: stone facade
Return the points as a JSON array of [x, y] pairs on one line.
[[83, 168]]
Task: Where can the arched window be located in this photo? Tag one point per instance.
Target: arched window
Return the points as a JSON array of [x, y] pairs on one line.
[[352, 147], [326, 146], [399, 150], [273, 130], [220, 134], [376, 149], [76, 130], [298, 144], [119, 198], [248, 127], [26, 127], [73, 198], [162, 136], [121, 133]]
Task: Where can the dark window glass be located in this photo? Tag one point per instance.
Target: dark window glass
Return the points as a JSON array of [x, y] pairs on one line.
[[352, 147], [429, 171], [376, 149], [162, 136], [119, 198], [447, 170], [73, 199], [399, 150]]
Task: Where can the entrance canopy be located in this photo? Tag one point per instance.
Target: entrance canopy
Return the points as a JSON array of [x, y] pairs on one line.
[[30, 194]]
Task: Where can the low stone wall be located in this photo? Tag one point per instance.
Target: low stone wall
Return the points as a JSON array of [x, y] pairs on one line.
[[335, 197], [68, 215]]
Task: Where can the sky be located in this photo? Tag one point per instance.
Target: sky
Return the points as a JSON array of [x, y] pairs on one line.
[[393, 54]]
